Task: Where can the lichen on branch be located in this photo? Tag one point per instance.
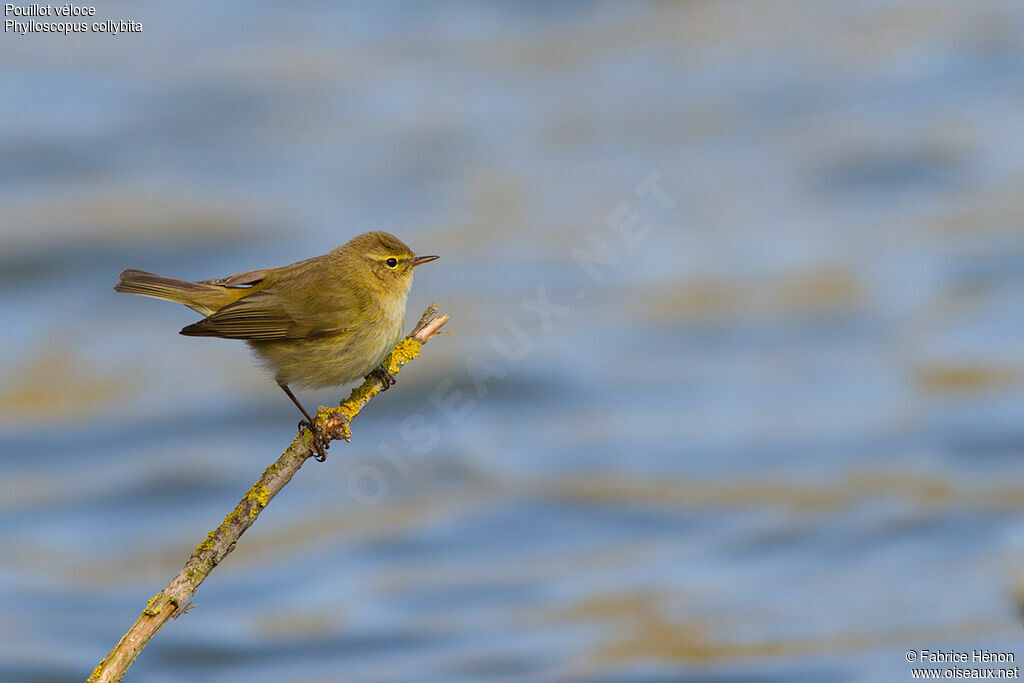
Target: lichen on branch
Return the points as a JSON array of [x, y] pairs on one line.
[[334, 423]]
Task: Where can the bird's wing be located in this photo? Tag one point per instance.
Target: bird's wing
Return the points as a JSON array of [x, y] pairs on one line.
[[263, 276], [249, 277], [265, 316]]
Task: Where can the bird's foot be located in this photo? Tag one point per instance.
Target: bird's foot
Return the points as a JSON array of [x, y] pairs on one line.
[[320, 443], [386, 379]]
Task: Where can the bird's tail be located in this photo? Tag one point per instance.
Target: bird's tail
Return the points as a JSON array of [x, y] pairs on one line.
[[199, 296]]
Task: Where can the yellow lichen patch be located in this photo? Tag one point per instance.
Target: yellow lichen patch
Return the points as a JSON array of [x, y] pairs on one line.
[[303, 440], [197, 571], [229, 520], [359, 396], [96, 672], [406, 350], [271, 470], [259, 495], [206, 545], [149, 611], [196, 576], [351, 406], [345, 431]]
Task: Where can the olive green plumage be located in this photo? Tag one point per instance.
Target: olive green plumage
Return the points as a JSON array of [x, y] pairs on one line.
[[321, 322]]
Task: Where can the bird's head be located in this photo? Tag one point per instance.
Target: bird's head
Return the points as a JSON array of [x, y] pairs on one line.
[[387, 258]]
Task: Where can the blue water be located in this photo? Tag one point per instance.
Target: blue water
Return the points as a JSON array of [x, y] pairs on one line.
[[773, 433]]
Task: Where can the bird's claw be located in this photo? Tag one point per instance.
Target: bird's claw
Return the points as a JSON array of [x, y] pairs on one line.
[[320, 444], [387, 380]]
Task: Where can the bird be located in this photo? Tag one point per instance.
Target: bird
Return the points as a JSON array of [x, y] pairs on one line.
[[322, 322]]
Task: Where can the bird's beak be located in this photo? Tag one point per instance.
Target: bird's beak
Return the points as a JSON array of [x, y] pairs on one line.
[[420, 260]]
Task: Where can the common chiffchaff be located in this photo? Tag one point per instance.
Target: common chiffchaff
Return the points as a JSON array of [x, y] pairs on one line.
[[321, 322]]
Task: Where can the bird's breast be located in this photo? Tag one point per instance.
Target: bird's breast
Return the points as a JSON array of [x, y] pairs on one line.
[[333, 361]]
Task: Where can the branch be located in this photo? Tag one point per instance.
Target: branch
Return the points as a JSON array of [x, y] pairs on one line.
[[173, 599]]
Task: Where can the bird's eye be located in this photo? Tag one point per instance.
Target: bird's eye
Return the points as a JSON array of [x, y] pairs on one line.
[[392, 262]]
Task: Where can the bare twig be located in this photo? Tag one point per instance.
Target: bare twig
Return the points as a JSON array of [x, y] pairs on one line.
[[174, 598]]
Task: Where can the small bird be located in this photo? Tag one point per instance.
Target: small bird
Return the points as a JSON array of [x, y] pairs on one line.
[[321, 322]]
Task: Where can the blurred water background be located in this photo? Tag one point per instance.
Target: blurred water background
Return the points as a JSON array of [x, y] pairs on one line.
[[779, 438]]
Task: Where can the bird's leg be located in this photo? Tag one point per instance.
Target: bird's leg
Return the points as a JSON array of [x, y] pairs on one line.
[[319, 442], [381, 373]]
